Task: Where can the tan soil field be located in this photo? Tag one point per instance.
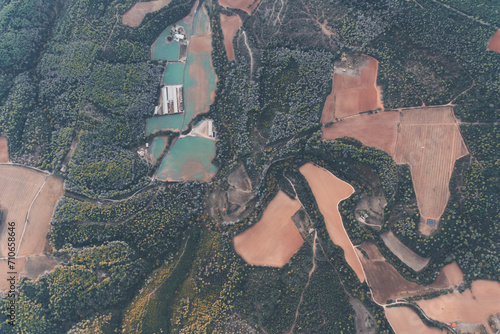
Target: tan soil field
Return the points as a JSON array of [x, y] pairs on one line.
[[4, 150], [405, 254], [38, 265], [246, 5], [329, 191], [494, 44], [274, 239], [404, 320], [387, 283], [353, 90], [200, 43], [429, 140], [26, 195], [230, 25], [134, 16], [474, 305], [376, 130], [40, 216]]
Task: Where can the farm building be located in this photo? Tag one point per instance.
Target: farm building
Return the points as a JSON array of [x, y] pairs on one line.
[[172, 99]]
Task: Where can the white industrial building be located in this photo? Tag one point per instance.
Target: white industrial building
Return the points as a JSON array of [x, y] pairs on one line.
[[172, 99]]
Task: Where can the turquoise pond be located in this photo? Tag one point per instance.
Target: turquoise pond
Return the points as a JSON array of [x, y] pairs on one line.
[[168, 51], [157, 147], [189, 158], [174, 74], [165, 122]]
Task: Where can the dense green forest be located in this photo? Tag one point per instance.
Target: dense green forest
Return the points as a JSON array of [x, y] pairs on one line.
[[76, 88]]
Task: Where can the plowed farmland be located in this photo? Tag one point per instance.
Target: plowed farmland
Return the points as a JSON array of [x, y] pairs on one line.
[[274, 239], [405, 254], [230, 25], [354, 88], [474, 305], [494, 44], [27, 198], [429, 140], [134, 16], [329, 191], [387, 283], [246, 5], [406, 321], [376, 130]]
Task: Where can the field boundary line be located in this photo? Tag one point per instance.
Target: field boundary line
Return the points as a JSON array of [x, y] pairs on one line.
[[28, 214]]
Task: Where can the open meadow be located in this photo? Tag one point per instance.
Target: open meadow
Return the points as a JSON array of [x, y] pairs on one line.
[[274, 239]]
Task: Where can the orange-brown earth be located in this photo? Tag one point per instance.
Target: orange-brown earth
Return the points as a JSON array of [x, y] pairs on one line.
[[230, 25], [4, 150], [376, 130], [40, 216], [134, 16], [329, 191], [494, 44], [387, 283], [474, 305], [354, 88], [429, 140], [406, 321], [274, 239], [246, 5], [27, 198]]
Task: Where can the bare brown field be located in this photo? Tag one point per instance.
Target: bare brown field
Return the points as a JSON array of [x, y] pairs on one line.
[[38, 265], [376, 130], [28, 198], [405, 254], [134, 16], [274, 239], [474, 305], [40, 215], [387, 283], [4, 150], [246, 5], [230, 25], [429, 140], [200, 43], [329, 191], [404, 320], [494, 44], [354, 88], [19, 186]]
